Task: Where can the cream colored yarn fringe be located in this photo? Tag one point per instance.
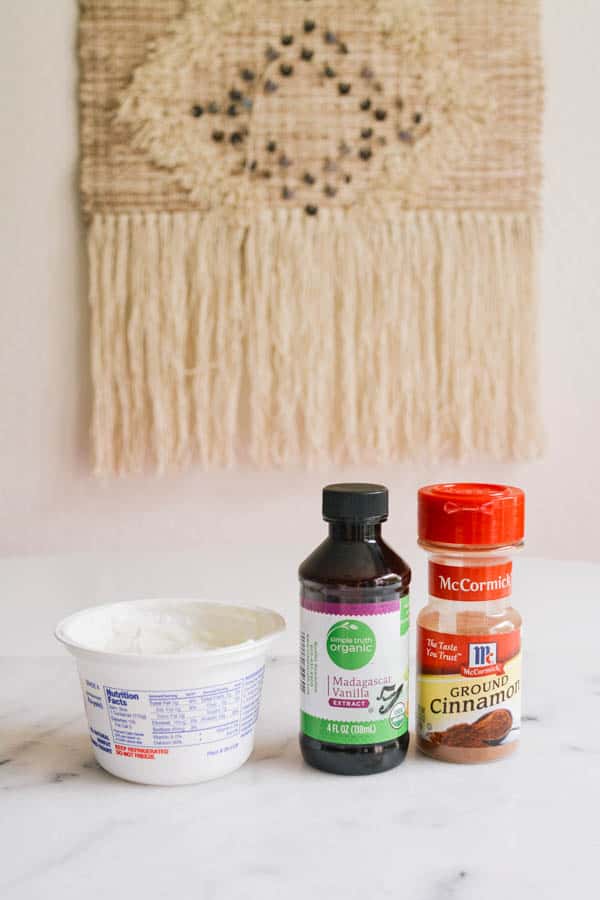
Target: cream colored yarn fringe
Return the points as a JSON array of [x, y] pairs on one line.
[[293, 340]]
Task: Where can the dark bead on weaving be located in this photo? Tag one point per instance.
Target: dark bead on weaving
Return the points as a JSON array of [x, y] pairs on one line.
[[307, 54], [235, 95], [343, 48], [232, 110], [213, 107], [284, 161], [329, 72], [270, 86], [347, 178], [252, 166], [309, 25], [405, 136], [287, 193], [266, 173], [218, 136], [380, 115], [311, 210], [197, 111], [330, 37], [417, 118], [271, 53], [287, 39], [248, 75], [329, 190], [399, 103], [366, 134], [271, 147], [237, 137], [365, 105], [365, 153], [286, 70], [307, 178], [344, 88]]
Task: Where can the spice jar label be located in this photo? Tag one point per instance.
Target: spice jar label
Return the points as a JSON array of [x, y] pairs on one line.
[[354, 671], [469, 688], [465, 583]]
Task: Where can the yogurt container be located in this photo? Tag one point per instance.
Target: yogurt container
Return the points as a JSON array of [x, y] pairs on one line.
[[171, 688]]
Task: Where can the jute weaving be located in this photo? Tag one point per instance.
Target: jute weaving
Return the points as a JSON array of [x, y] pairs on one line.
[[312, 229]]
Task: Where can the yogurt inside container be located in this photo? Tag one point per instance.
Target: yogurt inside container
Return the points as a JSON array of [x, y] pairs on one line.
[[171, 688]]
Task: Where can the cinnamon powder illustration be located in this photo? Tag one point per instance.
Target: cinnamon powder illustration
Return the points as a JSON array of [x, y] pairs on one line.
[[487, 731]]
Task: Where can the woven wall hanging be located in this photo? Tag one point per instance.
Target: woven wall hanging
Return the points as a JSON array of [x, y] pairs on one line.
[[312, 229]]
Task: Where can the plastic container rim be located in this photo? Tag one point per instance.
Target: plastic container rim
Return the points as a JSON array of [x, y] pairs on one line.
[[214, 654]]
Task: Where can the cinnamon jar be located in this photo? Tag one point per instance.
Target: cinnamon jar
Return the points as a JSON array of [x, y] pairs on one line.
[[469, 635]]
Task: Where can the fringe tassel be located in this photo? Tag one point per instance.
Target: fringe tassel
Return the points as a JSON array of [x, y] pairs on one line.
[[287, 340]]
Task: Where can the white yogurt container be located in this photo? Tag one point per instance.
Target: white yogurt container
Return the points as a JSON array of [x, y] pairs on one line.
[[171, 688]]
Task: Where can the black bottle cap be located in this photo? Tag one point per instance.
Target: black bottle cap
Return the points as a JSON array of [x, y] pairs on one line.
[[355, 502]]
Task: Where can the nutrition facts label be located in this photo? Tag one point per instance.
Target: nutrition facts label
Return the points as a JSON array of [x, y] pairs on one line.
[[183, 718]]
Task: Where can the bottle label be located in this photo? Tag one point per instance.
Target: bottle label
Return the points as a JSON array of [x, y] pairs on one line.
[[465, 583], [468, 688], [354, 671]]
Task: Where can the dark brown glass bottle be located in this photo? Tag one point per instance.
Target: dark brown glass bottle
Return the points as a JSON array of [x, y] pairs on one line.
[[354, 639]]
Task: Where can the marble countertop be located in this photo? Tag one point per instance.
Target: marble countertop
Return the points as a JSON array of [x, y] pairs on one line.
[[525, 826]]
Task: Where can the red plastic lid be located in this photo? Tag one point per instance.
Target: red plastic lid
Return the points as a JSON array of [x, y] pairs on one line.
[[480, 515]]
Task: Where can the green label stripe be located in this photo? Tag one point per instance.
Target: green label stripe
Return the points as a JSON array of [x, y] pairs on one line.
[[404, 614], [333, 731]]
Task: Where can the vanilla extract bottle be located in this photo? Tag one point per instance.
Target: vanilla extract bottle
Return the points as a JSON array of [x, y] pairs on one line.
[[354, 639]]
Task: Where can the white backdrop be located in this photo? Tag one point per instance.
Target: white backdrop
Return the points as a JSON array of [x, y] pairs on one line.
[[48, 500]]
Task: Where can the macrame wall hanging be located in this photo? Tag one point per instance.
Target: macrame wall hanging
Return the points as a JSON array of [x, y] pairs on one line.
[[312, 229]]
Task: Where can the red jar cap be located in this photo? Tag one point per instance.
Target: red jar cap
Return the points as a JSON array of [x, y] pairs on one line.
[[481, 515]]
